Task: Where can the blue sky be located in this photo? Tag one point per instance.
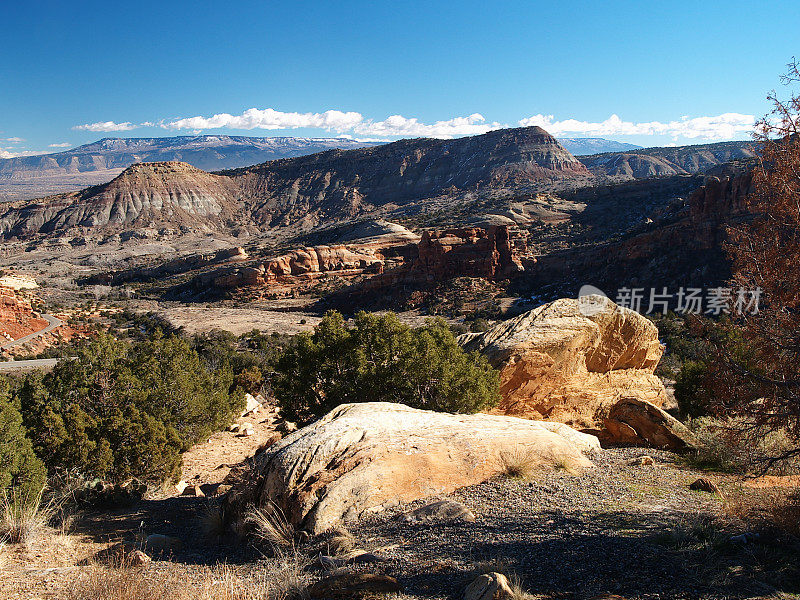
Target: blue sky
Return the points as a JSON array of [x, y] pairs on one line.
[[671, 72]]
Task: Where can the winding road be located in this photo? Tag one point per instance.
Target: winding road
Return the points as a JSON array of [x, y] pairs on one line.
[[52, 323]]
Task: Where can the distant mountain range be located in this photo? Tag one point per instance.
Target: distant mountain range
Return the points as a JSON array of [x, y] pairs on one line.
[[300, 193], [29, 177], [667, 161], [584, 146]]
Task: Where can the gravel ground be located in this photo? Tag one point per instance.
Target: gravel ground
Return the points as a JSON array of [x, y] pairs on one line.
[[636, 531]]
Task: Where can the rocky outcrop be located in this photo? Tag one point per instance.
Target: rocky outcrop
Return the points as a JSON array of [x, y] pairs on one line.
[[568, 363], [17, 317], [638, 422], [363, 457], [493, 252]]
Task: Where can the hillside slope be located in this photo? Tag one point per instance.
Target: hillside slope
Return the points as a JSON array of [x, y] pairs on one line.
[[663, 162], [302, 192]]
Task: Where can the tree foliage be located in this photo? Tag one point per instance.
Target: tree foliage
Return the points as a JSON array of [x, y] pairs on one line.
[[20, 469], [380, 359], [756, 371], [121, 410]]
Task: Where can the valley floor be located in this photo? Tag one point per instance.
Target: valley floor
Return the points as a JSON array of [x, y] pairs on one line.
[[635, 531]]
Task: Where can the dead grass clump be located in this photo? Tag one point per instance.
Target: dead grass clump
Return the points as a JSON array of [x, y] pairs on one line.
[[123, 584], [270, 526], [283, 580], [340, 541], [212, 522], [23, 517], [774, 509], [519, 463]]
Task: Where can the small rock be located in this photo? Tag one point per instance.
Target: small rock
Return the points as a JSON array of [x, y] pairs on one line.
[[137, 558], [349, 585], [360, 557], [247, 432], [330, 563], [193, 490], [705, 485], [244, 426], [181, 486], [642, 461], [251, 405], [491, 586], [233, 427], [283, 426], [443, 510]]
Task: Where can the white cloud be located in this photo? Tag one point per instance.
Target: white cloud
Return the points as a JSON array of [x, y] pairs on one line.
[[269, 118], [400, 126], [724, 126], [106, 126], [61, 145], [6, 154], [14, 140], [353, 124]]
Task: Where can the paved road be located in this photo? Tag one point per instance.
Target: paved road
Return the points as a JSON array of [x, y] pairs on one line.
[[52, 323], [27, 365]]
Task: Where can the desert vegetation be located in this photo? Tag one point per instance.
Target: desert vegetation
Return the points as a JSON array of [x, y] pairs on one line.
[[381, 360]]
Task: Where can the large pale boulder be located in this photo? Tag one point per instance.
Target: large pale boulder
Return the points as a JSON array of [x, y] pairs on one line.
[[571, 360], [367, 456]]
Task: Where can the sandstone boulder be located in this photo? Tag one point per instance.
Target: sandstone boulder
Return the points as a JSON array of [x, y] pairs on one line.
[[490, 586], [635, 421], [569, 361], [364, 457]]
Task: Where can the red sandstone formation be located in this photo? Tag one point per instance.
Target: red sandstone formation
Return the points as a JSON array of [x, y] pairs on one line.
[[17, 317], [492, 253]]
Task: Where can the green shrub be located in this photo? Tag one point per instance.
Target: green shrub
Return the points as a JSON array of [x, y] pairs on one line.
[[118, 411], [21, 472], [380, 359]]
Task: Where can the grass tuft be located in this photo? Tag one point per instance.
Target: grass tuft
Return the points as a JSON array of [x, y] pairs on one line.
[[270, 526]]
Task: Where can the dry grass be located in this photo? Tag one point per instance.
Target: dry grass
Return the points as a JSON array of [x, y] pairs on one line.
[[23, 518], [519, 463], [522, 463], [212, 522], [340, 541], [283, 580], [271, 526], [727, 446], [766, 509]]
